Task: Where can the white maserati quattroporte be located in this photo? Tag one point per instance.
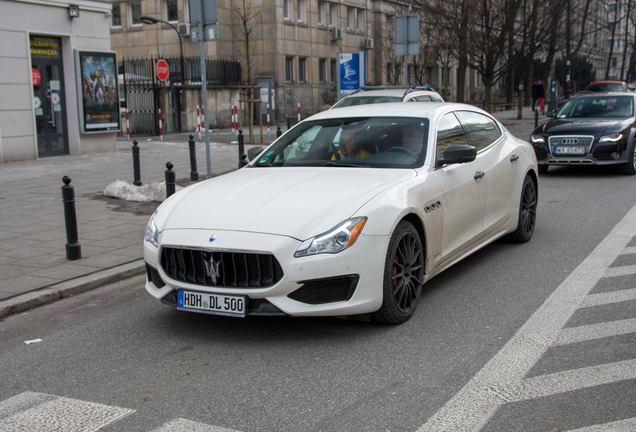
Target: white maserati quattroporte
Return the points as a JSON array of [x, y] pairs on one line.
[[348, 213]]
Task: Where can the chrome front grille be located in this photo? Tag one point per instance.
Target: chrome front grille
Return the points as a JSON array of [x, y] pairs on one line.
[[570, 142], [221, 269]]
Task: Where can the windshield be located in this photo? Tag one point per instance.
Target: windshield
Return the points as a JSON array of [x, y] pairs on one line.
[[598, 106], [605, 87], [376, 142], [365, 100]]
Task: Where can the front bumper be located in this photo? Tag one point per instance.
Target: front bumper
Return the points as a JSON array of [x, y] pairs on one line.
[[307, 285], [600, 154]]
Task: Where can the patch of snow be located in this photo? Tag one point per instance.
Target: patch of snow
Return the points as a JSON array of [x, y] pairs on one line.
[[146, 193]]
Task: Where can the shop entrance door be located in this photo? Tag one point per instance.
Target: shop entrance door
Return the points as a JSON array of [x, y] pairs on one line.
[[49, 101]]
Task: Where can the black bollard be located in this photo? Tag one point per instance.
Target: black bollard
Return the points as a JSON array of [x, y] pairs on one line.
[[241, 150], [278, 131], [171, 179], [73, 247], [136, 166], [194, 175], [288, 123], [536, 119]]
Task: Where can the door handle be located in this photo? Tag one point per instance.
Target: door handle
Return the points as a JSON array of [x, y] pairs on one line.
[[513, 158], [479, 174]]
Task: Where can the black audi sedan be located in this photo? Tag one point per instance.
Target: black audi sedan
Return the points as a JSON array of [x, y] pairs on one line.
[[593, 129]]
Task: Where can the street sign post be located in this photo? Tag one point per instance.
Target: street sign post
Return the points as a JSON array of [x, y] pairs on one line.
[[407, 38], [162, 69]]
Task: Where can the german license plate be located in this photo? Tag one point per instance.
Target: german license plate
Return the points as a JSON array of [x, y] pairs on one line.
[[216, 304], [569, 150]]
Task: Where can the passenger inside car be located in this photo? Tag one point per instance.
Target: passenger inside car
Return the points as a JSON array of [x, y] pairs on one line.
[[412, 138], [349, 146]]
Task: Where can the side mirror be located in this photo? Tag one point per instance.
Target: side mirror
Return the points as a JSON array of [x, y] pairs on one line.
[[551, 113], [254, 152], [458, 153]]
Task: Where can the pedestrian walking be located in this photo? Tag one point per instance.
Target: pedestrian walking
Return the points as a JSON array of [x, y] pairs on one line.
[[541, 95], [534, 91]]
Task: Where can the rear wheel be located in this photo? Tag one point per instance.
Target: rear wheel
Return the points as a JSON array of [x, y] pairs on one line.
[[403, 275], [630, 168], [527, 212]]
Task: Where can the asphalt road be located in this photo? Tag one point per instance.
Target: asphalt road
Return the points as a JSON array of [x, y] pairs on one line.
[[165, 370]]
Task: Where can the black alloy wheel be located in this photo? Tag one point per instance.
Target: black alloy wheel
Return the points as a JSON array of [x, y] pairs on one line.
[[527, 212], [630, 168], [403, 275]]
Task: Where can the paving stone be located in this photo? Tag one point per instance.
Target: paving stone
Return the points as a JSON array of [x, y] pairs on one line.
[[65, 271]]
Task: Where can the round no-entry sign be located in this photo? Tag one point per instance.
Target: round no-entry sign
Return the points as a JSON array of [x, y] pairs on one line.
[[162, 70], [35, 76]]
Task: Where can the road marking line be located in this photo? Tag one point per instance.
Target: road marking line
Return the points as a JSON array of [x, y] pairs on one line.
[[628, 425], [610, 297], [38, 412], [595, 331], [566, 381], [184, 425], [621, 271], [629, 250], [472, 407]]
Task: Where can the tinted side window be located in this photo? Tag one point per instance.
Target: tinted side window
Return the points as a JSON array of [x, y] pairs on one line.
[[482, 130], [449, 132]]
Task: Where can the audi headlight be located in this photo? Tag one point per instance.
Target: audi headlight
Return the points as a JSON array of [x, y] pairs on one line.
[[611, 138], [337, 239], [537, 139], [152, 233]]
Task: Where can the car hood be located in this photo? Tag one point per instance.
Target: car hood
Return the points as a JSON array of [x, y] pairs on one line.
[[582, 127], [297, 202]]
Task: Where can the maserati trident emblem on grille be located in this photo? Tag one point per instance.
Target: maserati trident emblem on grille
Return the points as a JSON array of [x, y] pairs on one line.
[[212, 268], [212, 238]]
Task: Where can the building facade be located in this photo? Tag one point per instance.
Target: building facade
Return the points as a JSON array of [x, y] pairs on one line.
[[42, 110]]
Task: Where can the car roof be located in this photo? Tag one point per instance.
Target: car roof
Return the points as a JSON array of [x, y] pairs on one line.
[[391, 92], [395, 109]]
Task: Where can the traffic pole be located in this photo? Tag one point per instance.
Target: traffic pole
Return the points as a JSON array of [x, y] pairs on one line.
[[160, 127], [127, 126], [232, 116], [236, 119], [198, 123], [268, 131], [202, 125], [298, 112]]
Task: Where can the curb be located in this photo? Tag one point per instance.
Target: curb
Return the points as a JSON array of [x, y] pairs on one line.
[[65, 289]]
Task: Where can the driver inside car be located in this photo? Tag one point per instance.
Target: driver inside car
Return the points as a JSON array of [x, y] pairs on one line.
[[349, 147], [412, 138]]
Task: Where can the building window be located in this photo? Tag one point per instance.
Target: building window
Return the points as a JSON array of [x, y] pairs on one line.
[[289, 69], [330, 12], [611, 8], [135, 13], [302, 62], [322, 70], [172, 11], [115, 16], [299, 10], [359, 20], [286, 12], [332, 75], [614, 62], [350, 15], [617, 43], [321, 13]]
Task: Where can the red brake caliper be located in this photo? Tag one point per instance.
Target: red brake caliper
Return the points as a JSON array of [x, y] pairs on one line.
[[394, 271]]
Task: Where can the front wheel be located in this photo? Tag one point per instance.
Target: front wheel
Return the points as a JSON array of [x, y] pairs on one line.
[[403, 275], [527, 213], [630, 168]]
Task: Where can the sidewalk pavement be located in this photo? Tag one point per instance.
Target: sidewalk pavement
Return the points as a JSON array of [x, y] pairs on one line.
[[33, 265]]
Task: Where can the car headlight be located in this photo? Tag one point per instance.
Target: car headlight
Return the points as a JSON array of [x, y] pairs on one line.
[[537, 139], [611, 138], [152, 233], [337, 239]]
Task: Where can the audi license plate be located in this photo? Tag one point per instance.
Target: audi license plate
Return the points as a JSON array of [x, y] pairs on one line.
[[216, 304], [577, 150]]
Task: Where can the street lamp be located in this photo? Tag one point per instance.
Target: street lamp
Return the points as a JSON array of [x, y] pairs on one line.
[[151, 20]]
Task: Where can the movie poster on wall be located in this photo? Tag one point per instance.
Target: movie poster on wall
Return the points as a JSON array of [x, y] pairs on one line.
[[99, 91]]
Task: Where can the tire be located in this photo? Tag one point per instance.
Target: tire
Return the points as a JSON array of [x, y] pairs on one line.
[[527, 213], [630, 168], [403, 275], [543, 169]]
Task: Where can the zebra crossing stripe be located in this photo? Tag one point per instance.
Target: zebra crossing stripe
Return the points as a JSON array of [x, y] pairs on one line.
[[38, 412], [595, 331], [504, 375], [628, 425], [183, 425], [610, 297]]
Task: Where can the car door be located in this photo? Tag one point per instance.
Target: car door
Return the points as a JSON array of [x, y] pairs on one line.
[[463, 194], [499, 164]]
